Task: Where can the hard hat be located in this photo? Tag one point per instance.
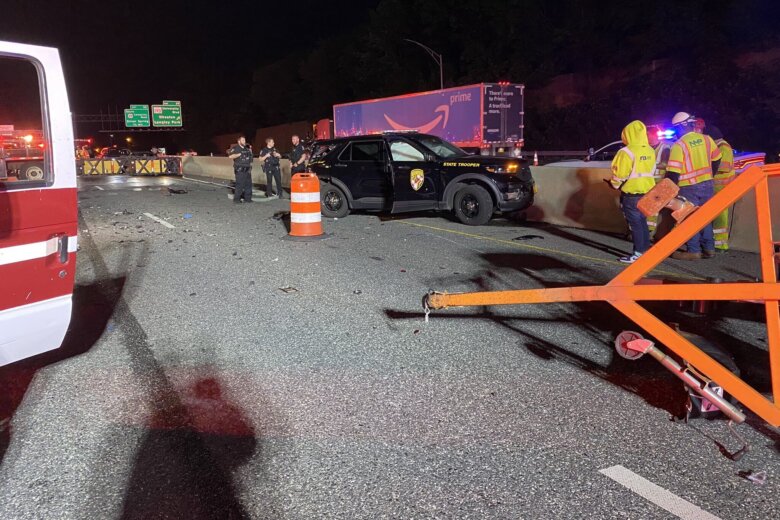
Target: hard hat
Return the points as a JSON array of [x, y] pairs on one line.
[[681, 118]]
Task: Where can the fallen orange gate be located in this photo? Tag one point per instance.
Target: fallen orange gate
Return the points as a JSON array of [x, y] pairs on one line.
[[623, 293]]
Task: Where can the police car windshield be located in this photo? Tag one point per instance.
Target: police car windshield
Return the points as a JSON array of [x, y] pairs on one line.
[[440, 147]]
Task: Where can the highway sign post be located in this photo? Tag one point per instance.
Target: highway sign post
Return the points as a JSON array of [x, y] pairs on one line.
[[137, 116]]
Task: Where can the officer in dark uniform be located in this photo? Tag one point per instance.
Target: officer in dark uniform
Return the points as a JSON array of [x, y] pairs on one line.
[[273, 172], [242, 167], [297, 156]]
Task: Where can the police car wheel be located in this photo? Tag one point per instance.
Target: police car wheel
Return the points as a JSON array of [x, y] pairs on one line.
[[473, 205], [334, 202]]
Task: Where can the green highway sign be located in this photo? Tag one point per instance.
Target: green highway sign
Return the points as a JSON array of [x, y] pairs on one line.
[[167, 115], [137, 116]]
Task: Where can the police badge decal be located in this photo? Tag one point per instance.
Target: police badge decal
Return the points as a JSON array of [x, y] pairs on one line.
[[416, 178]]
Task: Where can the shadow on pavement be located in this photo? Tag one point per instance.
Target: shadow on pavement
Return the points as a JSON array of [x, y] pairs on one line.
[[93, 306], [195, 439]]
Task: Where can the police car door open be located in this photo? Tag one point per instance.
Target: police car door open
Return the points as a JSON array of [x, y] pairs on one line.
[[413, 187]]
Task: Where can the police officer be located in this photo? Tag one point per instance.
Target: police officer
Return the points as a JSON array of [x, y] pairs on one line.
[[242, 168], [297, 156], [692, 160], [273, 172]]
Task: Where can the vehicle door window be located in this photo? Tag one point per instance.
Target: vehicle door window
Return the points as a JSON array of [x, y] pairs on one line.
[[401, 151], [24, 144], [319, 151], [363, 151]]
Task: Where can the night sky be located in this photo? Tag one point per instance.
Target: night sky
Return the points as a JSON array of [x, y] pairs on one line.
[[244, 65], [118, 53]]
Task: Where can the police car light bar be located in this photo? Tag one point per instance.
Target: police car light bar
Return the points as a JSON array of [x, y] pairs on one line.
[[665, 134]]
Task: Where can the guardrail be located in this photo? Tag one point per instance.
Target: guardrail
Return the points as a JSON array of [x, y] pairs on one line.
[[130, 165]]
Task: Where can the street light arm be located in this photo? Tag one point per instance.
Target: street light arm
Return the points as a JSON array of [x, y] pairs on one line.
[[436, 57]]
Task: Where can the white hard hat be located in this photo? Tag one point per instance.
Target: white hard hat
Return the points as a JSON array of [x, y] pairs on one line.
[[681, 118]]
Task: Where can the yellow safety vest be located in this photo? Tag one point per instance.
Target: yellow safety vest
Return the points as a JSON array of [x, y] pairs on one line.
[[726, 169], [634, 172], [692, 156]]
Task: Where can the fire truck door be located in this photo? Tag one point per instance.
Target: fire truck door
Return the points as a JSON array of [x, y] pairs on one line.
[[38, 216]]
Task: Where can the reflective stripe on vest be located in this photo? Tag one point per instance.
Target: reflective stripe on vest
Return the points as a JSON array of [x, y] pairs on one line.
[[722, 179], [634, 174]]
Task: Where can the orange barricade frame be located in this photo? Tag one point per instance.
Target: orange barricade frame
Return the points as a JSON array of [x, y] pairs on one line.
[[623, 293]]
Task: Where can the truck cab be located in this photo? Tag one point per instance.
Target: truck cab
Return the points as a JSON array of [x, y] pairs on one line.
[[38, 202]]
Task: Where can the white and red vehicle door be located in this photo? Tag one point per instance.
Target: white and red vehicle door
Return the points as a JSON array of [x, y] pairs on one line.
[[38, 217]]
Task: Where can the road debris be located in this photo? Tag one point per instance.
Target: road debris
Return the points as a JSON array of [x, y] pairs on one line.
[[757, 477]]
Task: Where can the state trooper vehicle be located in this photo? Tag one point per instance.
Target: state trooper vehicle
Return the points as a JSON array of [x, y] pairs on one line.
[[404, 172]]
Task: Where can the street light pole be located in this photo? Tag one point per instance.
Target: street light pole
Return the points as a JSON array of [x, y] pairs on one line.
[[436, 57]]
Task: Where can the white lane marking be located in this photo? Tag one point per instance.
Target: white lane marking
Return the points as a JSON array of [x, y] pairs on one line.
[[161, 221], [306, 197], [659, 496], [35, 250], [206, 182], [99, 188], [305, 218]]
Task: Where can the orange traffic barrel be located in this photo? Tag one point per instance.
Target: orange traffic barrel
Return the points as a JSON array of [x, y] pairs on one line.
[[305, 211]]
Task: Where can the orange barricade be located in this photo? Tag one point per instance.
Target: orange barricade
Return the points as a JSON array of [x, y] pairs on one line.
[[305, 211], [625, 291]]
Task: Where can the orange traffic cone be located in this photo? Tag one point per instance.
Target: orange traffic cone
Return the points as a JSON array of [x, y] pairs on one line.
[[305, 210]]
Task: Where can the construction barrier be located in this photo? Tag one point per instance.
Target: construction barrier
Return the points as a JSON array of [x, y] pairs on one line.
[[100, 167], [305, 210], [130, 165], [626, 290]]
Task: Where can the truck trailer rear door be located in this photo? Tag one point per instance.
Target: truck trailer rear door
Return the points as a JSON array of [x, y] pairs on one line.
[[38, 216]]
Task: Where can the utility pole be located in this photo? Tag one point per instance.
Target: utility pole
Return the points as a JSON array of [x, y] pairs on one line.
[[436, 57]]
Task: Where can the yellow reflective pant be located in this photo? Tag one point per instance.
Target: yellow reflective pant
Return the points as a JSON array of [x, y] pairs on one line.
[[720, 227]]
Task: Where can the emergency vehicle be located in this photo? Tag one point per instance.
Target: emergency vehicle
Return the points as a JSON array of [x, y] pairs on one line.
[[21, 154], [38, 208]]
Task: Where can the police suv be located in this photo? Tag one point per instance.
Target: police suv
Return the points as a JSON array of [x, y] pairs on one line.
[[404, 172]]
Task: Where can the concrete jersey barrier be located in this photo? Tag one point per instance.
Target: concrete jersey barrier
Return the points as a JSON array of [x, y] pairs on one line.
[[222, 168], [576, 197], [573, 196]]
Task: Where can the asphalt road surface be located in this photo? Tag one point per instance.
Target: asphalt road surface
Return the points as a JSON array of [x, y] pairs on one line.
[[215, 370]]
